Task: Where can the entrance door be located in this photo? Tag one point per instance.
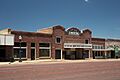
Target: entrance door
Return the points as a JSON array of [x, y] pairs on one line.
[[86, 54], [2, 54], [57, 54], [112, 54], [32, 54], [93, 54]]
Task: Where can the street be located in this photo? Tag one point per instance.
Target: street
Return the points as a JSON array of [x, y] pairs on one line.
[[109, 70]]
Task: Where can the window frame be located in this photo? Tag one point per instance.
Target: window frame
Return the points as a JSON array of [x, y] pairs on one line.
[[32, 44], [18, 53], [86, 41], [45, 48], [59, 38], [22, 47], [18, 44], [44, 56]]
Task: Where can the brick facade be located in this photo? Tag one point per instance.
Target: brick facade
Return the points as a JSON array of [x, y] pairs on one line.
[[70, 36]]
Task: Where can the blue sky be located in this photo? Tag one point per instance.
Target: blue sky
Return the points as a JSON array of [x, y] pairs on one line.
[[101, 16]]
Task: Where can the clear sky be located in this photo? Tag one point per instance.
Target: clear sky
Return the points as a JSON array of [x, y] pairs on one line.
[[101, 16]]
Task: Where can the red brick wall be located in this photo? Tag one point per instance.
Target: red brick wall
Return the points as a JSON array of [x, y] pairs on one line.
[[29, 38], [50, 38], [86, 35], [98, 41], [58, 31]]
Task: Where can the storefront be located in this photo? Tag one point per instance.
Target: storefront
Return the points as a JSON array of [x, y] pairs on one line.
[[56, 43], [77, 50], [6, 46]]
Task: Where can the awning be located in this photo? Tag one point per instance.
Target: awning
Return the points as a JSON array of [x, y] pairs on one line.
[[6, 39]]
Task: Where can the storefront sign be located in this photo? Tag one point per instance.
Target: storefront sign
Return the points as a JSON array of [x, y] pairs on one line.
[[77, 45]]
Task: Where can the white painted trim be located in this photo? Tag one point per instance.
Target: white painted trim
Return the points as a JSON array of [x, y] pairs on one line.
[[44, 47], [19, 58], [77, 45], [89, 54], [61, 55], [103, 49], [44, 57], [32, 47], [21, 47]]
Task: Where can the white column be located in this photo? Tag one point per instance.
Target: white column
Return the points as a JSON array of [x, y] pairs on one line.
[[35, 53], [89, 54], [61, 55], [105, 54]]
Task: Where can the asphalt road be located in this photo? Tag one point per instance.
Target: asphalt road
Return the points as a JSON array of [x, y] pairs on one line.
[[62, 71]]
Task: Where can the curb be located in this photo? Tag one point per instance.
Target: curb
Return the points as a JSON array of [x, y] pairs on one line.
[[57, 61]]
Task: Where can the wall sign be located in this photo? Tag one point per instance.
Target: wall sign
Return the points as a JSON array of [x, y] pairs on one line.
[[77, 45], [73, 31]]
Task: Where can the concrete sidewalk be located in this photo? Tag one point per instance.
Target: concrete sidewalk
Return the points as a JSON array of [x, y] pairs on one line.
[[53, 61]]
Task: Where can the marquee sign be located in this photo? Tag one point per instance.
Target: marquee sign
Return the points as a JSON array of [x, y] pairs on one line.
[[77, 45], [73, 31]]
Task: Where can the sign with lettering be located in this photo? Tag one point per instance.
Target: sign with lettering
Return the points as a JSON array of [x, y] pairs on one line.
[[73, 31], [77, 45]]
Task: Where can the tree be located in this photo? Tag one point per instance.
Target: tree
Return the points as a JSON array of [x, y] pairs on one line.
[[116, 50]]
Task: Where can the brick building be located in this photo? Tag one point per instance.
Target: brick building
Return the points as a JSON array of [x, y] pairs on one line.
[[55, 43]]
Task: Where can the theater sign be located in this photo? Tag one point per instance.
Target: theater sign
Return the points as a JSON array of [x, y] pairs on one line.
[[77, 45]]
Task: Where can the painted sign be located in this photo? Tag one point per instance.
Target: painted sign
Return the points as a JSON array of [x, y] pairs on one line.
[[77, 45]]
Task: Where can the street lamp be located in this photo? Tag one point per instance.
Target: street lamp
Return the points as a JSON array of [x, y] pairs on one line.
[[20, 39]]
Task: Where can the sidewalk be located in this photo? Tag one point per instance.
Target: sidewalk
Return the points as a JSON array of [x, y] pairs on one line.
[[53, 61]]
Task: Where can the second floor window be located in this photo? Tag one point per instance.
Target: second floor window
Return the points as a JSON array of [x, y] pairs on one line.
[[58, 39], [32, 44], [86, 42]]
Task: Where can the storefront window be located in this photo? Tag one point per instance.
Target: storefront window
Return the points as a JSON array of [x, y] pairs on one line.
[[23, 53], [32, 44], [17, 49], [98, 47], [44, 44], [44, 52], [95, 53], [44, 49], [17, 44]]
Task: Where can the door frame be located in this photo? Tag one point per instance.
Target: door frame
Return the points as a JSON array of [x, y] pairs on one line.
[[34, 53], [61, 54]]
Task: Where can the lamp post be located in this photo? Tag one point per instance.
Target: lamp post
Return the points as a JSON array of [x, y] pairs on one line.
[[20, 39]]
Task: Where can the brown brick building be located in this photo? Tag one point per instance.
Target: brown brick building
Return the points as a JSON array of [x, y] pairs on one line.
[[55, 43]]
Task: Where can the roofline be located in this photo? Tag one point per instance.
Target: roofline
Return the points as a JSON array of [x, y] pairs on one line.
[[98, 38], [12, 32]]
